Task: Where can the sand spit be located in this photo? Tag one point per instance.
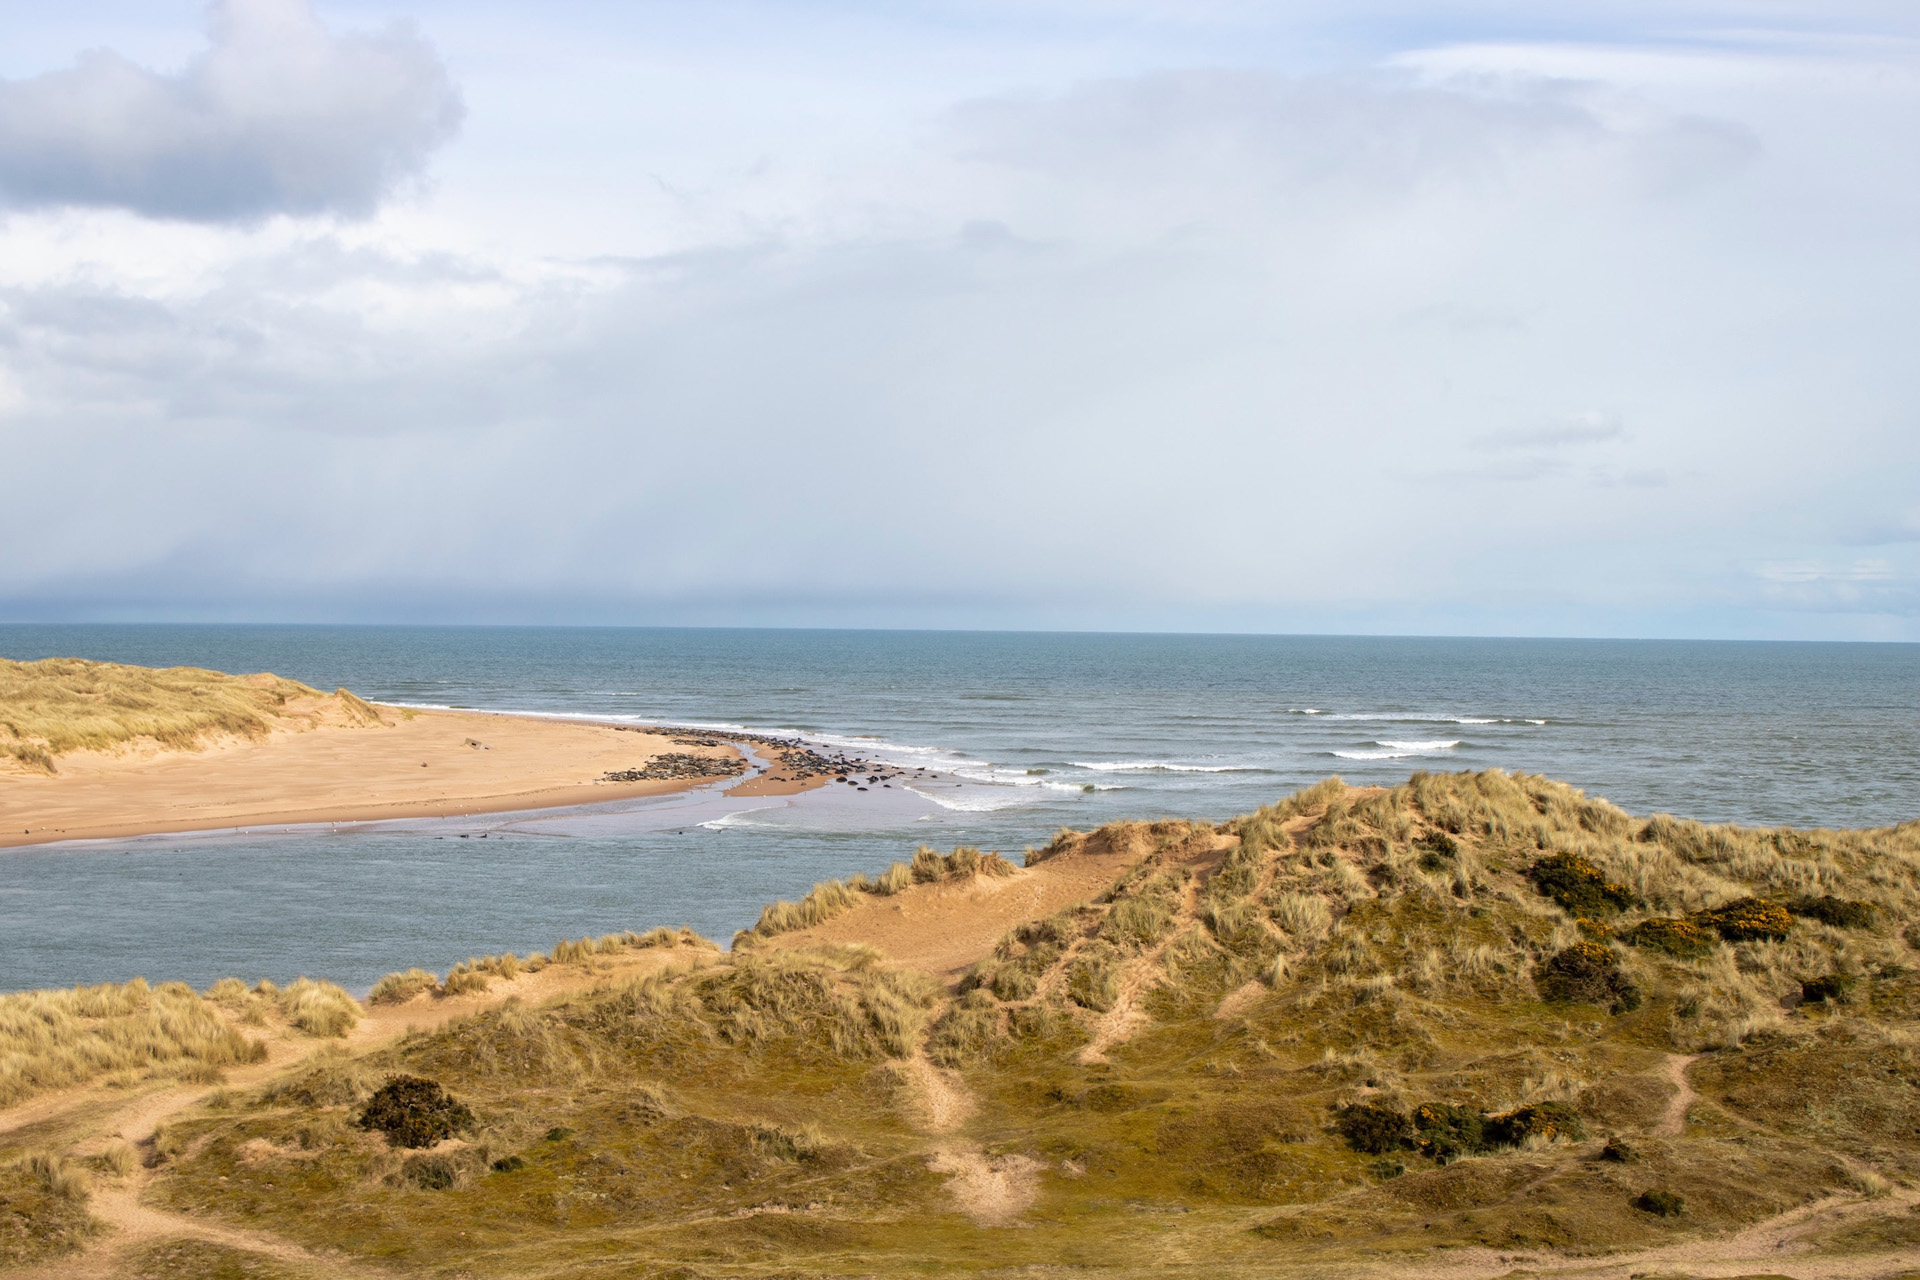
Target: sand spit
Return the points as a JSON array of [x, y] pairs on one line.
[[324, 767]]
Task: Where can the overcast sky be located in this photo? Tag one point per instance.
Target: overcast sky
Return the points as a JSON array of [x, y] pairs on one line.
[[1432, 316]]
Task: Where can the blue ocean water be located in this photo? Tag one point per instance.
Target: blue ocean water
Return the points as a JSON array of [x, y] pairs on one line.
[[1039, 731]]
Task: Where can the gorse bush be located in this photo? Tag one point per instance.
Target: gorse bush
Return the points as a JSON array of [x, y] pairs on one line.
[[1546, 1120], [1577, 885], [1682, 939], [1373, 1129], [1588, 973], [1446, 1132], [1748, 920], [414, 1112], [1662, 1204], [1832, 987], [1841, 913]]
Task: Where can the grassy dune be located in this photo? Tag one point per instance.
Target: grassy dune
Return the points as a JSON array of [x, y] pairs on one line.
[[1345, 1034], [56, 1039], [57, 705]]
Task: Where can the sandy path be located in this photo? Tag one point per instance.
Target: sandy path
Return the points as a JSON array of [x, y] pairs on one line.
[[1768, 1248], [1117, 1025], [1673, 1121], [991, 1190], [936, 1101]]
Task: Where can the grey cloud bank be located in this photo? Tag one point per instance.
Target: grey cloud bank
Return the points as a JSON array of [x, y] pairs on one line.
[[277, 117], [1388, 349]]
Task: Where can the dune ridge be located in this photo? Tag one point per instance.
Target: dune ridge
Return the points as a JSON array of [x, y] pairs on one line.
[[1418, 1031]]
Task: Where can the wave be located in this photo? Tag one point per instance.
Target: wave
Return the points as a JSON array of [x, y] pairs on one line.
[[981, 800], [1159, 766], [1412, 717], [1386, 750]]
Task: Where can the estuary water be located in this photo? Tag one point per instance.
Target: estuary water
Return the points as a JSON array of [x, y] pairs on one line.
[[1028, 732]]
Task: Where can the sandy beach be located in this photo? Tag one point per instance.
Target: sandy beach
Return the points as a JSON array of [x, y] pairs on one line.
[[324, 763]]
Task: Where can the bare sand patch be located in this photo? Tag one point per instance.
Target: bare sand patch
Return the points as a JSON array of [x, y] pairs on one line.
[[992, 1190], [945, 926]]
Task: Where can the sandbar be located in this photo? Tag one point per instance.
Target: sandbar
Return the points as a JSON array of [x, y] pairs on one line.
[[326, 766]]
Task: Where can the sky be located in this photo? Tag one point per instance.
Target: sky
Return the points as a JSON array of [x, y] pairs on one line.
[[1341, 316]]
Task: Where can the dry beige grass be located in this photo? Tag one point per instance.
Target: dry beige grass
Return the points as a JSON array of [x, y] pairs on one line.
[[57, 705], [52, 1039]]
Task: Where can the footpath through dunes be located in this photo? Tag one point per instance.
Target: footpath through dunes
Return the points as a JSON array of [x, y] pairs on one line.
[[1474, 1025], [93, 750]]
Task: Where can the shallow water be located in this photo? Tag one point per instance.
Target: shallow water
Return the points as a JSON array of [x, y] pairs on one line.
[[1041, 730]]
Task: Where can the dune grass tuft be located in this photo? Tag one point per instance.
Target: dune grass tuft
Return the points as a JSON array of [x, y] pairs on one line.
[[398, 988], [319, 1008], [52, 1039]]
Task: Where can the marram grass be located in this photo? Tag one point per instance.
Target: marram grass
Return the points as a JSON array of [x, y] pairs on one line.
[[58, 705]]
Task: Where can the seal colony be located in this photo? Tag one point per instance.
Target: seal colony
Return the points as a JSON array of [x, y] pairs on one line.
[[1470, 1026]]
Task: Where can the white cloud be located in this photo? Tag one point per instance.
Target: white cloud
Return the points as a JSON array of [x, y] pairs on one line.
[[277, 116], [1192, 347]]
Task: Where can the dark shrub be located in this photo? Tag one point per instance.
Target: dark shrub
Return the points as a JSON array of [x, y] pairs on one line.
[[1834, 987], [429, 1173], [1386, 1170], [1841, 913], [1748, 920], [414, 1112], [1618, 1152], [1587, 973], [1679, 938], [1447, 1132], [1664, 1203], [1375, 1130], [507, 1164], [1437, 851], [1546, 1119], [1578, 886]]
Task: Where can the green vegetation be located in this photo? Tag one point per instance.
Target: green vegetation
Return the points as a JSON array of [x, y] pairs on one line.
[[1681, 939], [57, 705], [413, 1112], [1588, 973], [43, 1209], [1665, 1204], [1340, 1035], [1577, 885]]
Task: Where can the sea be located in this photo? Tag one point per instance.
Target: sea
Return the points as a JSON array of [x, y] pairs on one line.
[[1022, 734]]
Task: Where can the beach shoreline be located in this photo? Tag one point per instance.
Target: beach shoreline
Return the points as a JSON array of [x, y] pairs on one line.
[[413, 763]]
